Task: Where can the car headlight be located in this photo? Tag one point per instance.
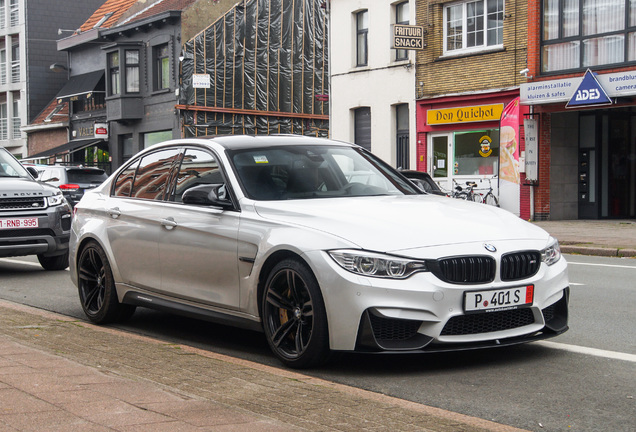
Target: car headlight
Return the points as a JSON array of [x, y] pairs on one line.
[[552, 253], [376, 264], [56, 200]]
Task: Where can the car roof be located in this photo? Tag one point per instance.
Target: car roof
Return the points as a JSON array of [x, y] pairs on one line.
[[242, 142]]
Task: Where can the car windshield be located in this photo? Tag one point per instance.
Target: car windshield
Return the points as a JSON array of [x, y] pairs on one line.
[[10, 167], [301, 172], [86, 175]]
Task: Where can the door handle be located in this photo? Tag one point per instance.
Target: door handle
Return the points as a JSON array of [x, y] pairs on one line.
[[169, 223], [114, 212]]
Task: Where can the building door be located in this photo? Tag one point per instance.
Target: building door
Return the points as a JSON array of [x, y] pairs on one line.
[[607, 165], [402, 138], [439, 146], [621, 188]]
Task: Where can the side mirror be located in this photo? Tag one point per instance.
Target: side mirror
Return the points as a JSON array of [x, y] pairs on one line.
[[208, 195], [33, 172]]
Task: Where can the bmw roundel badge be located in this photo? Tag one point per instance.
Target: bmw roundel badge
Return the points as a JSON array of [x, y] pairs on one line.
[[490, 248]]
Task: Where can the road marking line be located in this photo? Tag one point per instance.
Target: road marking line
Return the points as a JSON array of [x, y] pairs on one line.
[[590, 351], [20, 262], [603, 265], [12, 261], [574, 283]]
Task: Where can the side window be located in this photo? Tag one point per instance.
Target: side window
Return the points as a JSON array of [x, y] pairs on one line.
[[152, 174], [124, 181], [198, 167]]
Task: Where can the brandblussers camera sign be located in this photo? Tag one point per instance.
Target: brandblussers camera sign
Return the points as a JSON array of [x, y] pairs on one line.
[[407, 37]]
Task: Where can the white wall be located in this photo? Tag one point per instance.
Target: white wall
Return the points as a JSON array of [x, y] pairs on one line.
[[380, 85]]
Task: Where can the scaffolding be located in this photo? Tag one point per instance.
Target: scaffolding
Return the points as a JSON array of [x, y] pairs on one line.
[[266, 62]]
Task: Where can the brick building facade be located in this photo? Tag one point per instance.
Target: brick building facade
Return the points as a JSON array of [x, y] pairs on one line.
[[465, 78], [587, 148]]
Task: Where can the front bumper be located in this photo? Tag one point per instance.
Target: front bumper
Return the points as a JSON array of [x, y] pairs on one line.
[[377, 333], [50, 238], [425, 313]]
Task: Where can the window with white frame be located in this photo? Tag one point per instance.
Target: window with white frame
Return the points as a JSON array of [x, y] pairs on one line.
[[161, 55], [473, 26], [4, 121], [362, 33], [14, 13], [16, 121], [132, 71], [402, 17], [15, 62], [3, 66], [583, 33], [124, 71], [3, 14], [114, 86]]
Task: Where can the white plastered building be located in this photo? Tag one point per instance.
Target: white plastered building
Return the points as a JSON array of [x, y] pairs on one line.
[[372, 95]]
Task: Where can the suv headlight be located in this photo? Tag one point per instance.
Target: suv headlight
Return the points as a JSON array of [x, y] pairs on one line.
[[376, 264], [552, 253], [56, 199]]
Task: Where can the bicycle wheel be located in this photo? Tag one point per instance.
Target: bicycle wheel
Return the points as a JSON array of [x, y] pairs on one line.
[[492, 200], [462, 196]]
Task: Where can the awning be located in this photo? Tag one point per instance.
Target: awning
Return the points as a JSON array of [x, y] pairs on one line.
[[71, 146], [82, 86]]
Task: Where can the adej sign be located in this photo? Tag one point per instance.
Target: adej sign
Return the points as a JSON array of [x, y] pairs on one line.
[[589, 93]]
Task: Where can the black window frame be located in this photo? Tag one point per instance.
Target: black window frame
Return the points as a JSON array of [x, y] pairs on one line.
[[402, 54], [362, 127], [157, 60], [362, 38], [580, 38], [123, 68]]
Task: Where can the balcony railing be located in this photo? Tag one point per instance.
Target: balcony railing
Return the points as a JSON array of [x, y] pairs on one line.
[[4, 131]]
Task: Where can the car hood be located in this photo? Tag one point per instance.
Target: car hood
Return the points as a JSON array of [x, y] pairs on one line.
[[11, 186], [394, 223]]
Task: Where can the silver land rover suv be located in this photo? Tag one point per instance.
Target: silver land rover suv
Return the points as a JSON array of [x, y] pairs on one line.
[[35, 218]]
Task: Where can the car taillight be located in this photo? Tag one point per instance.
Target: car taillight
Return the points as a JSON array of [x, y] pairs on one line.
[[69, 187]]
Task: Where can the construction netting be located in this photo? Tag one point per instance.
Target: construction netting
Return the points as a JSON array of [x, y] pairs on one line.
[[261, 68]]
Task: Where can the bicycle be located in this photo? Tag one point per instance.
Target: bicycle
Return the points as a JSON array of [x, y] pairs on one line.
[[490, 197], [468, 193]]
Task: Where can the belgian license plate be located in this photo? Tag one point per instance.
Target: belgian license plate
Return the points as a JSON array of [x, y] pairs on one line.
[[19, 223], [501, 299]]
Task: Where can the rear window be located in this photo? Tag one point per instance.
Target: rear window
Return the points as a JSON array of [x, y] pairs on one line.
[[86, 176]]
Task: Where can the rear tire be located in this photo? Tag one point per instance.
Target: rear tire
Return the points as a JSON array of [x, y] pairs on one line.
[[294, 315], [54, 263], [96, 286]]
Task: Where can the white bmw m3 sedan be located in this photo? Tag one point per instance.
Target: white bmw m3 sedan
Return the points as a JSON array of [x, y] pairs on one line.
[[318, 244]]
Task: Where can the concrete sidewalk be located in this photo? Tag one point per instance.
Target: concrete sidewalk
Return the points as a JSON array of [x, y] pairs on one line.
[[61, 374], [616, 238]]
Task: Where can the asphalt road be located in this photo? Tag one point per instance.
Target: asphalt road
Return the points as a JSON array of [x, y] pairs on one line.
[[584, 380]]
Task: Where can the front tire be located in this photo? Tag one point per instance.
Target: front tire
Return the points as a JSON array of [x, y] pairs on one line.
[[54, 263], [294, 315], [97, 287]]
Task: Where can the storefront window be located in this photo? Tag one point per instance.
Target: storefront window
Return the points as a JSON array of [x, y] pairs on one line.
[[151, 138], [476, 152]]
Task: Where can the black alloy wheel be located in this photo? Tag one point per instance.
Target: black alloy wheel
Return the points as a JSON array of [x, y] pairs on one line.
[[294, 316], [97, 288]]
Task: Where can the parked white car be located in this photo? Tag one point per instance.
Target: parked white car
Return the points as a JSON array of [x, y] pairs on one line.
[[317, 243]]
